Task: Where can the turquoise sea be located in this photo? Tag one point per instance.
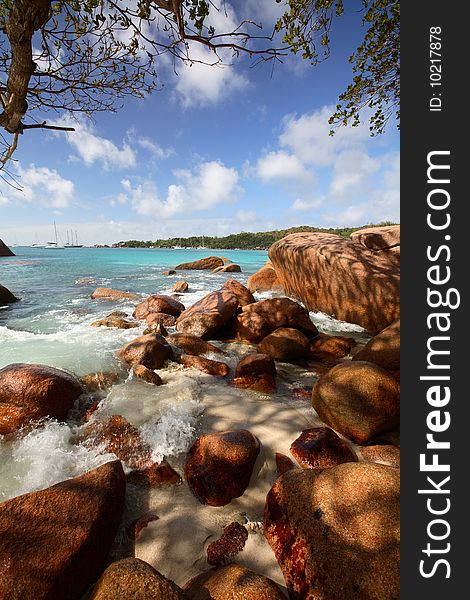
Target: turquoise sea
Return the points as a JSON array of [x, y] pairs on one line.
[[51, 325]]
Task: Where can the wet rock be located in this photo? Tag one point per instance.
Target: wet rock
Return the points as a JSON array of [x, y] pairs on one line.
[[285, 344], [219, 465], [29, 393], [339, 277], [103, 293], [241, 292], [358, 399], [180, 287], [147, 375], [335, 532], [169, 272], [383, 349], [114, 321], [156, 328], [223, 550], [283, 464], [151, 350], [135, 528], [212, 367], [94, 382], [160, 319], [158, 303], [385, 454], [256, 372], [136, 579], [5, 250], [155, 475], [232, 582], [191, 344], [326, 346], [6, 297], [116, 435], [302, 393], [258, 320], [208, 315], [320, 448], [54, 543], [230, 268], [205, 264], [265, 280]]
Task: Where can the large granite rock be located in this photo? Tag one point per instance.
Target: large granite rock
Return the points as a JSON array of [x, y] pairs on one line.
[[339, 277], [219, 465], [29, 393], [206, 365], [285, 344], [103, 293], [320, 448], [54, 543], [335, 532], [5, 250], [203, 264], [358, 399], [232, 582], [132, 578], [264, 280], [208, 315], [383, 349], [6, 297], [241, 292], [378, 238], [150, 350], [158, 303], [191, 344], [256, 372]]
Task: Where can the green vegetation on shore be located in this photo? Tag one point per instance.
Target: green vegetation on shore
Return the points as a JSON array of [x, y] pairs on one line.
[[243, 241]]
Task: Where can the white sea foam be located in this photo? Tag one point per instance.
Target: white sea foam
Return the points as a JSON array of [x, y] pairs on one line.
[[327, 323]]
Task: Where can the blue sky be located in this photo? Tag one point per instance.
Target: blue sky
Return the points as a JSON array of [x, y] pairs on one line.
[[217, 151]]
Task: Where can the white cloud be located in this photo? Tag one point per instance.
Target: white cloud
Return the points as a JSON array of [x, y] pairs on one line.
[[211, 185], [154, 148], [305, 205], [352, 169], [279, 166], [39, 185], [246, 216]]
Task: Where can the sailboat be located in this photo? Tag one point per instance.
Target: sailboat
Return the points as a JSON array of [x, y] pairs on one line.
[[54, 245], [70, 241]]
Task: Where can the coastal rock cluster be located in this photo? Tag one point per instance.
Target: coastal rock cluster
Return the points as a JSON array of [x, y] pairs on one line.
[[331, 516]]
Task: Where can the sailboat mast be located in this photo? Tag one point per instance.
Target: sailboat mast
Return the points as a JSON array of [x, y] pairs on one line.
[[55, 231]]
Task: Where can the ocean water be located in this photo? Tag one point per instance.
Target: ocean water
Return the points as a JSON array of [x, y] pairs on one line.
[[51, 325]]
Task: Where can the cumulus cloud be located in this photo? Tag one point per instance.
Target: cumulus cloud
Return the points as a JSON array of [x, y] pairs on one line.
[[281, 166], [38, 185], [212, 184]]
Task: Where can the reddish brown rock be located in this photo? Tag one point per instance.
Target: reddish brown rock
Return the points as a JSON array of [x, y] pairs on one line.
[[257, 320], [6, 297], [158, 303], [232, 582], [209, 314], [265, 280], [335, 532], [150, 350], [169, 272], [228, 545], [241, 292], [383, 349], [285, 344], [119, 437], [156, 328], [54, 543], [230, 268], [212, 367], [180, 287], [191, 344], [147, 375], [135, 528], [219, 465], [283, 464], [302, 393], [325, 346], [160, 319], [103, 293], [378, 238], [203, 264], [256, 372], [133, 578], [5, 250], [320, 448], [29, 393], [358, 399], [155, 475], [385, 454], [94, 382], [339, 277], [113, 321]]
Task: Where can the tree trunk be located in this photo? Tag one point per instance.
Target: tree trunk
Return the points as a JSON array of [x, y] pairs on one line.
[[26, 17]]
